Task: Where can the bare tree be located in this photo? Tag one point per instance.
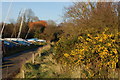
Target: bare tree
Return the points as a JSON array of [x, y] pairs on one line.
[[51, 23], [92, 14]]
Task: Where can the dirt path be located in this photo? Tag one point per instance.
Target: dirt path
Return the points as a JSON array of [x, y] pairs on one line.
[[12, 65]]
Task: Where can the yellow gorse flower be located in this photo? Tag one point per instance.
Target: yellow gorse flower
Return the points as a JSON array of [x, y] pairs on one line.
[[101, 40], [96, 38], [115, 51], [108, 44], [66, 55]]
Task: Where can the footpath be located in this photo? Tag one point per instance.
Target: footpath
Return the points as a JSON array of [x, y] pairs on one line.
[[12, 65]]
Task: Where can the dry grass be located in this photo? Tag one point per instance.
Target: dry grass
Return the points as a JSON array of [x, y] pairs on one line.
[[57, 70], [50, 68]]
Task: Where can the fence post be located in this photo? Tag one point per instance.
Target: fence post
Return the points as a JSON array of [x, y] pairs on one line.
[[40, 53], [33, 57], [23, 73]]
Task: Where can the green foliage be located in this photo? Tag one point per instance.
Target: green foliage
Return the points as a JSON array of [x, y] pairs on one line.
[[64, 45], [31, 70], [31, 66]]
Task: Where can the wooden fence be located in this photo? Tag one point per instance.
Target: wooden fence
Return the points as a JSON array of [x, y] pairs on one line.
[[38, 53]]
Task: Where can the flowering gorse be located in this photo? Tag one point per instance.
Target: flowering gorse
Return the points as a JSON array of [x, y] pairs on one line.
[[96, 52]]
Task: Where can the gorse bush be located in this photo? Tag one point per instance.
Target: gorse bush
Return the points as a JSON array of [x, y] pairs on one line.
[[64, 45], [96, 54]]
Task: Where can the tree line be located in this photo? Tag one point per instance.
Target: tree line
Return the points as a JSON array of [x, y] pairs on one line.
[[78, 18]]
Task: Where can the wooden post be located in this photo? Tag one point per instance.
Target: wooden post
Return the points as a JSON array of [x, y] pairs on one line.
[[33, 58], [23, 72], [40, 52]]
